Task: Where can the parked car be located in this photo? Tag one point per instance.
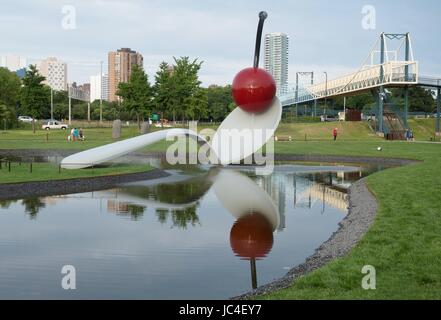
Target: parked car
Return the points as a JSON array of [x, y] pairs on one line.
[[54, 125], [25, 119], [163, 123], [326, 118]]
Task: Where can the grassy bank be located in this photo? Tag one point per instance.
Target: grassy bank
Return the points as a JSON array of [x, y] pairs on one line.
[[49, 171], [404, 244]]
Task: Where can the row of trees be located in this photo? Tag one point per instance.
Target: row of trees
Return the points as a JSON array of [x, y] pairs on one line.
[[420, 100], [175, 94]]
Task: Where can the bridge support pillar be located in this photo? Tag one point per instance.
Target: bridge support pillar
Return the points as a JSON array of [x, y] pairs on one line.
[[406, 105], [380, 106], [438, 111]]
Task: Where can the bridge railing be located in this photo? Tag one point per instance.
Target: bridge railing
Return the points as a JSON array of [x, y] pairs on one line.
[[369, 77], [395, 72]]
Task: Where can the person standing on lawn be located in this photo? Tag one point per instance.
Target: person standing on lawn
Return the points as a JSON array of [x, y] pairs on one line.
[[334, 133]]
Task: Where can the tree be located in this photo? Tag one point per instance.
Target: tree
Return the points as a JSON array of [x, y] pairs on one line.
[[8, 117], [161, 89], [35, 96], [358, 101], [220, 102], [420, 99], [9, 88], [137, 93], [197, 105], [9, 96], [185, 87]]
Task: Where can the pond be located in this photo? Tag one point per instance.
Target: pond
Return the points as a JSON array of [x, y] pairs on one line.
[[200, 233]]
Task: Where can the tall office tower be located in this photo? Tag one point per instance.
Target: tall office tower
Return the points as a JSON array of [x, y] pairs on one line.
[[55, 73], [13, 63], [98, 87], [120, 67], [276, 59]]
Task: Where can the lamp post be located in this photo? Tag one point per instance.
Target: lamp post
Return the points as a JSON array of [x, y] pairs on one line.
[[438, 109], [326, 91], [101, 93], [302, 73], [52, 104]]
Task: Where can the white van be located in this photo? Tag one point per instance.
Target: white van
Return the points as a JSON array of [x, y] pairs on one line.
[[54, 125]]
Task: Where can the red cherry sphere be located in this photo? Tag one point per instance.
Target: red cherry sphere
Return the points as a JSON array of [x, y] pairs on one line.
[[253, 90], [251, 237]]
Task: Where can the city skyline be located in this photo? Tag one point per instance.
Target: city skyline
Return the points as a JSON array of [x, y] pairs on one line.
[[324, 34]]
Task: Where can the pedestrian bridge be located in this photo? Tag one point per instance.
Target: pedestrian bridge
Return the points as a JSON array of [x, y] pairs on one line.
[[385, 66], [388, 74]]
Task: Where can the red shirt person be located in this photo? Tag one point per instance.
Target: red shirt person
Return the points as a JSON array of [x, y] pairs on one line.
[[334, 133]]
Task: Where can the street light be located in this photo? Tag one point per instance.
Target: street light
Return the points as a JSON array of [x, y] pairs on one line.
[[101, 91], [302, 73], [326, 91]]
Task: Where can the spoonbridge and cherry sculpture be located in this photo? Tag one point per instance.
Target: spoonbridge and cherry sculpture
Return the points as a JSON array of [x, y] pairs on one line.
[[243, 132]]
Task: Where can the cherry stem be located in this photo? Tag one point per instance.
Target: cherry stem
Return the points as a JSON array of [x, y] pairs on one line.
[[262, 16]]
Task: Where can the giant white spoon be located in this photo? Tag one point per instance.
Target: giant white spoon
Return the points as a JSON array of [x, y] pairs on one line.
[[239, 136]]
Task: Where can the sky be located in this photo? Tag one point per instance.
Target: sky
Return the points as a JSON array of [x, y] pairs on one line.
[[324, 35]]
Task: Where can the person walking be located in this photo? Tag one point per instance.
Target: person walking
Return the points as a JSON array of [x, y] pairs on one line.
[[81, 134], [75, 134], [71, 136], [334, 133]]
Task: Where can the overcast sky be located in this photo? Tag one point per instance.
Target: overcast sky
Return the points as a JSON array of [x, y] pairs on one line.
[[324, 35]]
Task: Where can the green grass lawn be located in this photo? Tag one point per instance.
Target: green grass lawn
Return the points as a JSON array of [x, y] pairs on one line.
[[57, 139], [49, 171]]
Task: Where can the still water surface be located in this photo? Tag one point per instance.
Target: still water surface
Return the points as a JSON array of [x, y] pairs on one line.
[[202, 233]]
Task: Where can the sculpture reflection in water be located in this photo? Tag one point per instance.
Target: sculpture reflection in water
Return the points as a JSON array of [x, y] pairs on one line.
[[251, 236], [257, 217]]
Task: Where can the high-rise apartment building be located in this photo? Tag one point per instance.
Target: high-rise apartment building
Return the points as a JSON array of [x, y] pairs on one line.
[[105, 87], [276, 59], [120, 65], [99, 87], [13, 63], [55, 73]]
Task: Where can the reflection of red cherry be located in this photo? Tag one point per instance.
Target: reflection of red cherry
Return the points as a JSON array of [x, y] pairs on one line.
[[251, 236], [253, 90]]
